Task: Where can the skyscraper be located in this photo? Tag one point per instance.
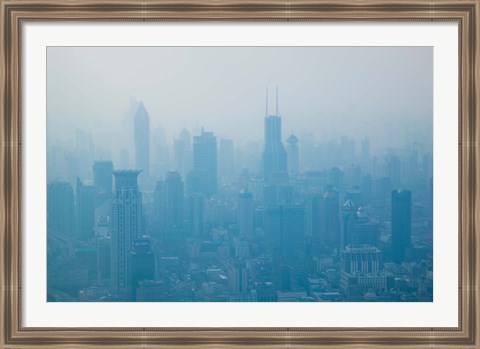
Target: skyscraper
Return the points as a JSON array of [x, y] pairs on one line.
[[245, 213], [142, 140], [173, 196], [292, 152], [274, 159], [401, 224], [60, 208], [126, 227], [205, 162], [103, 175], [330, 218], [86, 195], [313, 224]]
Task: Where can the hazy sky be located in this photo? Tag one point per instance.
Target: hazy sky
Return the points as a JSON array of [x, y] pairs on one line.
[[359, 91]]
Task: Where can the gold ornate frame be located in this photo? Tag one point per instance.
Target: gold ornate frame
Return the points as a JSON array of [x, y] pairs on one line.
[[13, 13]]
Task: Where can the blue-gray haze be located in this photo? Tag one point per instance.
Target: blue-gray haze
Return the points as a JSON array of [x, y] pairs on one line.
[[330, 91], [240, 174]]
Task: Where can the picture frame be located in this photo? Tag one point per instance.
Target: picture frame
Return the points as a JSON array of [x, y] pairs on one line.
[[14, 14]]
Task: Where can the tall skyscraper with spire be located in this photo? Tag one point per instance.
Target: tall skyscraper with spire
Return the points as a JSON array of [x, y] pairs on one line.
[[142, 140], [274, 159], [126, 227]]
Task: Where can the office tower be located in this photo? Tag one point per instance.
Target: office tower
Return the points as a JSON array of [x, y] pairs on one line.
[[104, 263], [274, 159], [357, 230], [142, 264], [205, 162], [292, 155], [86, 196], [183, 153], [103, 175], [60, 208], [353, 175], [226, 158], [237, 276], [173, 197], [195, 215], [126, 227], [361, 276], [330, 218], [103, 210], [349, 213], [285, 230], [245, 213], [313, 224], [142, 140], [361, 260], [401, 224], [159, 207]]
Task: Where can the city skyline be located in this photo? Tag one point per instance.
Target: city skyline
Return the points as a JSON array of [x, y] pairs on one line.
[[321, 90], [201, 217]]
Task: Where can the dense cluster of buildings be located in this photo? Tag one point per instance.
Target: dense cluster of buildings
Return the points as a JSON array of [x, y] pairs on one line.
[[209, 221]]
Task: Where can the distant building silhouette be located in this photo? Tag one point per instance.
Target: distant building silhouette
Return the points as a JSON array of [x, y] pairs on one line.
[[274, 159], [245, 213], [86, 204], [126, 227], [103, 175], [173, 196], [401, 224], [357, 230], [60, 208], [205, 163], [330, 218], [142, 140]]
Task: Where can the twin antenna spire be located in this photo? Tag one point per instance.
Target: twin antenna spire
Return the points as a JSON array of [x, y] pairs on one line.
[[276, 101]]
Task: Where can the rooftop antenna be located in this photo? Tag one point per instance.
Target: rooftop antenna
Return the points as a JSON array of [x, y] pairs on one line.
[[266, 101], [276, 100]]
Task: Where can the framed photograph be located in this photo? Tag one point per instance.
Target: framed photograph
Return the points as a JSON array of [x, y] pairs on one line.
[[239, 174]]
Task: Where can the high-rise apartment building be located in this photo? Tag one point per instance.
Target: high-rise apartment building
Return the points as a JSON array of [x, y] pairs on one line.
[[126, 227], [103, 175]]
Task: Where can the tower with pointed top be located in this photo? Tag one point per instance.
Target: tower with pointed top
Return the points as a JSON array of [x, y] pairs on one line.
[[274, 158], [142, 140]]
